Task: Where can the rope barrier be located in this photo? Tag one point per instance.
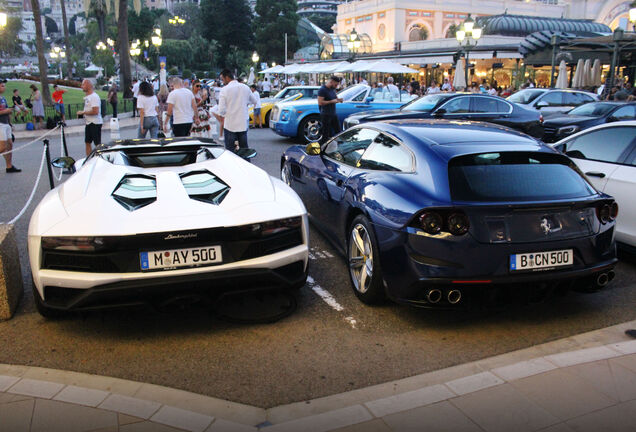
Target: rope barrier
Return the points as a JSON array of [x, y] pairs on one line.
[[59, 177], [37, 181], [29, 143]]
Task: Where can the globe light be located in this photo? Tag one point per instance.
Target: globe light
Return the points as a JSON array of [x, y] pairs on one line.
[[476, 33], [3, 19], [469, 24], [255, 57], [460, 35], [632, 15], [110, 42]]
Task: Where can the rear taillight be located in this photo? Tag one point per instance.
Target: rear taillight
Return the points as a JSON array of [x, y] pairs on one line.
[[607, 212], [444, 220]]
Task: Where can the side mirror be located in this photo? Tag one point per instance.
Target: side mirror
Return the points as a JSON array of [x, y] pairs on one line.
[[246, 153], [369, 99], [64, 162], [542, 104], [313, 149], [439, 112]]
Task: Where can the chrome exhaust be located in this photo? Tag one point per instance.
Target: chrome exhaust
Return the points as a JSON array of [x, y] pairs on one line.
[[454, 296], [610, 275], [602, 279], [434, 296]]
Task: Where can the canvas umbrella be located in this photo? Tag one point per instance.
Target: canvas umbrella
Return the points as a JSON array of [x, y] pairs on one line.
[[587, 74], [459, 80], [562, 79], [250, 79], [578, 75], [596, 73]]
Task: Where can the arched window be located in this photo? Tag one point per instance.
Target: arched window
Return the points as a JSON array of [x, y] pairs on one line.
[[417, 33]]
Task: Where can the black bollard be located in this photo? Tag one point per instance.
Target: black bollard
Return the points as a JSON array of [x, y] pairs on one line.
[[48, 163], [70, 170]]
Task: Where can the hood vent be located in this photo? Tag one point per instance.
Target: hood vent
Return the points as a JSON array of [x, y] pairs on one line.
[[205, 186], [136, 191]]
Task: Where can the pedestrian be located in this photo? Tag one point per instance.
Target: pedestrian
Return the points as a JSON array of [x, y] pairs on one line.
[[6, 143], [267, 88], [162, 97], [433, 89], [135, 90], [415, 87], [446, 86], [38, 107], [201, 100], [58, 98], [394, 92], [327, 100], [18, 106], [92, 116], [182, 106], [147, 104], [112, 98], [257, 108], [233, 102]]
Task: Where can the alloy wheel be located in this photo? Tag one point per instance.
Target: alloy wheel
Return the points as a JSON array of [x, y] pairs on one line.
[[360, 258], [312, 130]]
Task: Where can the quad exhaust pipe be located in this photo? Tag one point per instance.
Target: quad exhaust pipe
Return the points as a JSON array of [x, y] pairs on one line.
[[434, 296], [602, 279], [454, 296]]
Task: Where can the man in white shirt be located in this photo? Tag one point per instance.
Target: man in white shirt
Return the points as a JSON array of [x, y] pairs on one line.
[[182, 105], [135, 90], [394, 92], [257, 108], [433, 89], [92, 115], [446, 86], [233, 102], [267, 88]]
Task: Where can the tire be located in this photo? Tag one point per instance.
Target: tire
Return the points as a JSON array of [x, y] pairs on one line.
[[266, 121], [309, 130], [44, 310], [363, 258]]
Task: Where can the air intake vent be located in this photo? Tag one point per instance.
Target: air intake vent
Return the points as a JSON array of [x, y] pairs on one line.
[[136, 191], [205, 186]]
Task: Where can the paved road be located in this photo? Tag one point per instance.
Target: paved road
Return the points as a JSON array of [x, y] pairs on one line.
[[315, 352]]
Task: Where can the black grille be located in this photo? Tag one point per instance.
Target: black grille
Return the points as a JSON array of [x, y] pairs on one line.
[[121, 254]]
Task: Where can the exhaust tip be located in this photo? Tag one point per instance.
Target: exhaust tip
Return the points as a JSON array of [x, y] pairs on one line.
[[434, 296], [454, 296], [610, 275], [602, 279]]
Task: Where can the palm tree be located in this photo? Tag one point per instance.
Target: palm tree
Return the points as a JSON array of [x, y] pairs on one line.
[[124, 49], [39, 43], [67, 41]]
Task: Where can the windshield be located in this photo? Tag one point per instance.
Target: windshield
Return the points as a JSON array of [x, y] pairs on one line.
[[525, 96], [592, 109], [349, 93], [425, 103]]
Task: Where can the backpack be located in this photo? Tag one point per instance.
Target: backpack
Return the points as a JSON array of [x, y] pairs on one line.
[[50, 123]]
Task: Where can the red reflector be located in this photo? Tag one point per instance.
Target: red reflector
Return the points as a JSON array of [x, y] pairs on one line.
[[471, 281]]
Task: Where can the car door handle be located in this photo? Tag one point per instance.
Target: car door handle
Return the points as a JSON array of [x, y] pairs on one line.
[[595, 174]]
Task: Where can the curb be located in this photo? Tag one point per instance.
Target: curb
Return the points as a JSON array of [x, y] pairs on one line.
[[193, 412]]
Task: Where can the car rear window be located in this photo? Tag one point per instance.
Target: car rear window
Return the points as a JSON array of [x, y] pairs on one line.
[[515, 176]]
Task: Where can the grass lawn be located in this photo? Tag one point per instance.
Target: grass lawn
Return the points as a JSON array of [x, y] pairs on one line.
[[72, 96]]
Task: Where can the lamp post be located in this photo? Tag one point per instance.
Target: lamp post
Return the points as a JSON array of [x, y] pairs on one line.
[[609, 83], [58, 54], [176, 20], [135, 51], [467, 36], [255, 57], [554, 40], [156, 41], [353, 44]]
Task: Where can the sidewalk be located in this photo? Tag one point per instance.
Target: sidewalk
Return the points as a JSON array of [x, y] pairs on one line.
[[73, 128], [582, 383]]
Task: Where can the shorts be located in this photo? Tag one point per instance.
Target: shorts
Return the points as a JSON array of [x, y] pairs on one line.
[[257, 111], [93, 134], [5, 132], [59, 107], [20, 108]]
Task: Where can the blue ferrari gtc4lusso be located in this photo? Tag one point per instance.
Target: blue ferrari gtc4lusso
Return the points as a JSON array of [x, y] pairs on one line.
[[439, 213]]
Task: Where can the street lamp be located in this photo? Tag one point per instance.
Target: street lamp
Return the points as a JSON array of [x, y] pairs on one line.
[[467, 37], [353, 44], [156, 37], [101, 46], [135, 51], [3, 19], [176, 20], [554, 40], [58, 54], [255, 57], [632, 17]]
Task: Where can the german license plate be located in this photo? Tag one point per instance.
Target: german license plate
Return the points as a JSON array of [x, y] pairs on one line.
[[156, 260], [541, 260]]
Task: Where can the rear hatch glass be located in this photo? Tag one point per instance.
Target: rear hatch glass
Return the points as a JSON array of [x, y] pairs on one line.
[[515, 177]]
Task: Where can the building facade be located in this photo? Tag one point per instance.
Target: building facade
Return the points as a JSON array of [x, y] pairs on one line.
[[323, 7]]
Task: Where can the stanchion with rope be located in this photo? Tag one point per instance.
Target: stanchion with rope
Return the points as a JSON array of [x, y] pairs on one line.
[[48, 163], [70, 170]]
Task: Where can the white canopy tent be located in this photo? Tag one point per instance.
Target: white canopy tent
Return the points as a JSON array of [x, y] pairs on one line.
[[386, 66], [273, 69], [94, 68], [291, 69]]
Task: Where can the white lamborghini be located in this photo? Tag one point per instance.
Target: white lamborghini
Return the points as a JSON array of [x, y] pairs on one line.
[[146, 221]]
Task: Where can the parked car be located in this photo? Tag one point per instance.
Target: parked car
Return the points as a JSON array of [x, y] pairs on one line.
[[301, 119], [307, 92], [607, 156], [435, 212], [267, 105], [552, 101], [459, 106], [160, 221], [586, 116]]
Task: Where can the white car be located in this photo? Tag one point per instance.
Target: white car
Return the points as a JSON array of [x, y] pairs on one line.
[[152, 221], [607, 156]]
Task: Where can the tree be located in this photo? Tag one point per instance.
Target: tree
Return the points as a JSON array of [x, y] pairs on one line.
[[99, 8], [452, 30], [140, 25], [39, 43], [230, 23], [275, 18], [124, 48], [9, 41], [67, 40], [177, 52], [324, 21], [191, 13]]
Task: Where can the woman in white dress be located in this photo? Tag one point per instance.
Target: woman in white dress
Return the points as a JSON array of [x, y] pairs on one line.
[[201, 98]]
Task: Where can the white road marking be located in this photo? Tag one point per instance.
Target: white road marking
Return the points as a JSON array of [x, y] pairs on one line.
[[316, 254], [330, 300]]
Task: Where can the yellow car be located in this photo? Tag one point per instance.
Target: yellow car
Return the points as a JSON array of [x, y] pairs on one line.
[[287, 94]]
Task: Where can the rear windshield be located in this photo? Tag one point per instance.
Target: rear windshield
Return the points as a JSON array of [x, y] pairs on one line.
[[515, 176]]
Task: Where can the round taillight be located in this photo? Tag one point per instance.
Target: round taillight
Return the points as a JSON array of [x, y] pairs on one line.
[[613, 210], [603, 212], [458, 224], [431, 222]]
